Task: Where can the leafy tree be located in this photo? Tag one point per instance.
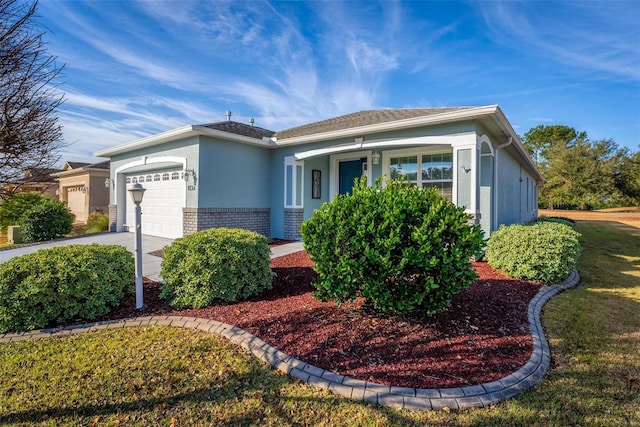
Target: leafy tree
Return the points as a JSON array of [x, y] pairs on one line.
[[30, 134], [578, 172], [12, 210], [539, 140], [627, 177]]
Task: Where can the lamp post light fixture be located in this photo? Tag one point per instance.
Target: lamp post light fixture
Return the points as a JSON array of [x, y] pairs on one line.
[[137, 191]]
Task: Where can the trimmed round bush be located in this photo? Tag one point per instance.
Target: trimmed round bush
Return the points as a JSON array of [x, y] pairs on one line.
[[61, 284], [543, 250], [401, 247], [17, 205], [46, 221], [218, 264]]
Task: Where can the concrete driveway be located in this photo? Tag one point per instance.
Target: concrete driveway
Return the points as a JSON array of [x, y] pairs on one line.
[[150, 263]]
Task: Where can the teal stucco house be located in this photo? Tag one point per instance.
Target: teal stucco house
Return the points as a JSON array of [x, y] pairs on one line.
[[230, 174]]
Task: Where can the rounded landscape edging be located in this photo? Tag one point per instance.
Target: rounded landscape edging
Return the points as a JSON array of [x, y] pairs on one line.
[[479, 395]]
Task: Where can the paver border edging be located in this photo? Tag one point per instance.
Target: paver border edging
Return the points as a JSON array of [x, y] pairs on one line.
[[480, 395]]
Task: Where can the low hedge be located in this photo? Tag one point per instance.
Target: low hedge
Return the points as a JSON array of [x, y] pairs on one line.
[[212, 265], [57, 285], [543, 250]]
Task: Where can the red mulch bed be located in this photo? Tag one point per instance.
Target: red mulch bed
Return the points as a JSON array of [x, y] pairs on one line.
[[482, 337]]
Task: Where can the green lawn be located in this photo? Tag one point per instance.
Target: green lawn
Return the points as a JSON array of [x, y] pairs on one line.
[[165, 376]]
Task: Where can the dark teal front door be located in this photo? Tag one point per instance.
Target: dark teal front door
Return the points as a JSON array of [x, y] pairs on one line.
[[349, 171]]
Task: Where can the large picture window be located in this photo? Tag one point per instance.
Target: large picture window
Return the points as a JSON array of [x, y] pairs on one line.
[[425, 170]]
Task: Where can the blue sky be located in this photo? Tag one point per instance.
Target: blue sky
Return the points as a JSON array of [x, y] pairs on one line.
[[136, 68]]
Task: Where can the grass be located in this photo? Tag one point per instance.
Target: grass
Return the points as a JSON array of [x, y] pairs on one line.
[[164, 376]]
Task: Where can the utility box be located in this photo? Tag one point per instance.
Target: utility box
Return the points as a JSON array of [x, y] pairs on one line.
[[14, 235]]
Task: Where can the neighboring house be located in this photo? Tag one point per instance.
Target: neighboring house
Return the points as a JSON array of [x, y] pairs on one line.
[[83, 187], [34, 179], [230, 174]]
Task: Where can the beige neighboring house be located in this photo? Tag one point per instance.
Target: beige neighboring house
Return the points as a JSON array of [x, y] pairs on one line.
[[84, 187]]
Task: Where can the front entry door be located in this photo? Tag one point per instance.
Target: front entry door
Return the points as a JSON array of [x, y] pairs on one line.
[[349, 171]]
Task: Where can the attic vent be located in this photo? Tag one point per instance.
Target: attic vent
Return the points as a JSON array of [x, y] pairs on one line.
[[228, 115], [252, 121]]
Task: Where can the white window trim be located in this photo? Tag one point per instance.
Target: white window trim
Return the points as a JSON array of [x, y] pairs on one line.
[[334, 168], [419, 151], [295, 202]]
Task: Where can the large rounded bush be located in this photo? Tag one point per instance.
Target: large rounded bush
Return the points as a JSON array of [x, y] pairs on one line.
[[65, 283], [17, 205], [543, 250], [401, 247], [218, 264], [46, 221]]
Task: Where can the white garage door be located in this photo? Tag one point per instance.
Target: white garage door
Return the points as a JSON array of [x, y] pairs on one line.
[[75, 203], [161, 205]]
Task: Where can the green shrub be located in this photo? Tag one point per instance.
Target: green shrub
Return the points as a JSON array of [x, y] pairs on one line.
[[46, 221], [561, 220], [212, 265], [53, 286], [543, 250], [19, 204], [401, 247], [97, 222]]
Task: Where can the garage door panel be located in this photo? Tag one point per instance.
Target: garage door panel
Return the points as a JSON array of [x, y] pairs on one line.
[[75, 203], [161, 207]]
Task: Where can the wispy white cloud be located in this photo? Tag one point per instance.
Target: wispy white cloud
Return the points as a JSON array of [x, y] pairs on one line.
[[595, 36]]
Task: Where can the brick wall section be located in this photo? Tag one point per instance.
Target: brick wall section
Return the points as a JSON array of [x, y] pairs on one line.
[[292, 219], [254, 219], [113, 217]]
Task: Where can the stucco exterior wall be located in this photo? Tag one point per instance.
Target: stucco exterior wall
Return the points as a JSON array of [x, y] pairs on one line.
[[514, 191], [233, 175]]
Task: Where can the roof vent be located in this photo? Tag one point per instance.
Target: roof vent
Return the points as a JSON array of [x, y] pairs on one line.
[[228, 115], [252, 121]]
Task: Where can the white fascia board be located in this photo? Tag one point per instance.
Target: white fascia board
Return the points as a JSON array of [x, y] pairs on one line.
[[328, 150], [179, 133], [434, 119], [149, 141], [78, 171]]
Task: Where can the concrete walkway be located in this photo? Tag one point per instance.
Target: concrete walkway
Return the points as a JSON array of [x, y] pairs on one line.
[[150, 263]]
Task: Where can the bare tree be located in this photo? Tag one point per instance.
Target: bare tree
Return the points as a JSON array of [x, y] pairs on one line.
[[30, 135]]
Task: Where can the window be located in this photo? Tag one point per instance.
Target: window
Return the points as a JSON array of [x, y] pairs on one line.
[[165, 176], [433, 170], [175, 175], [149, 178], [156, 177], [127, 180], [134, 180]]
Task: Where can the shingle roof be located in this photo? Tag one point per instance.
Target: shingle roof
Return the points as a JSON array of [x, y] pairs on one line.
[[102, 165], [362, 118], [76, 165], [240, 129]]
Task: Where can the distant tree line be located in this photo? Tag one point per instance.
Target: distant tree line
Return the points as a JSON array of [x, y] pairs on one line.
[[581, 173]]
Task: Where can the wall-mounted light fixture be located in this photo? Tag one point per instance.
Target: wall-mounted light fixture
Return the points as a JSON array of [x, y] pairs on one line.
[[83, 189], [107, 183], [466, 169], [375, 158], [187, 173]]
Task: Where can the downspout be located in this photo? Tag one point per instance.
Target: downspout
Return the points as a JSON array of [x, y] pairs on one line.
[[495, 177]]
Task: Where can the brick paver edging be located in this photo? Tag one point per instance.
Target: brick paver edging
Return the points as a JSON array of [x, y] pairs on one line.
[[480, 395]]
